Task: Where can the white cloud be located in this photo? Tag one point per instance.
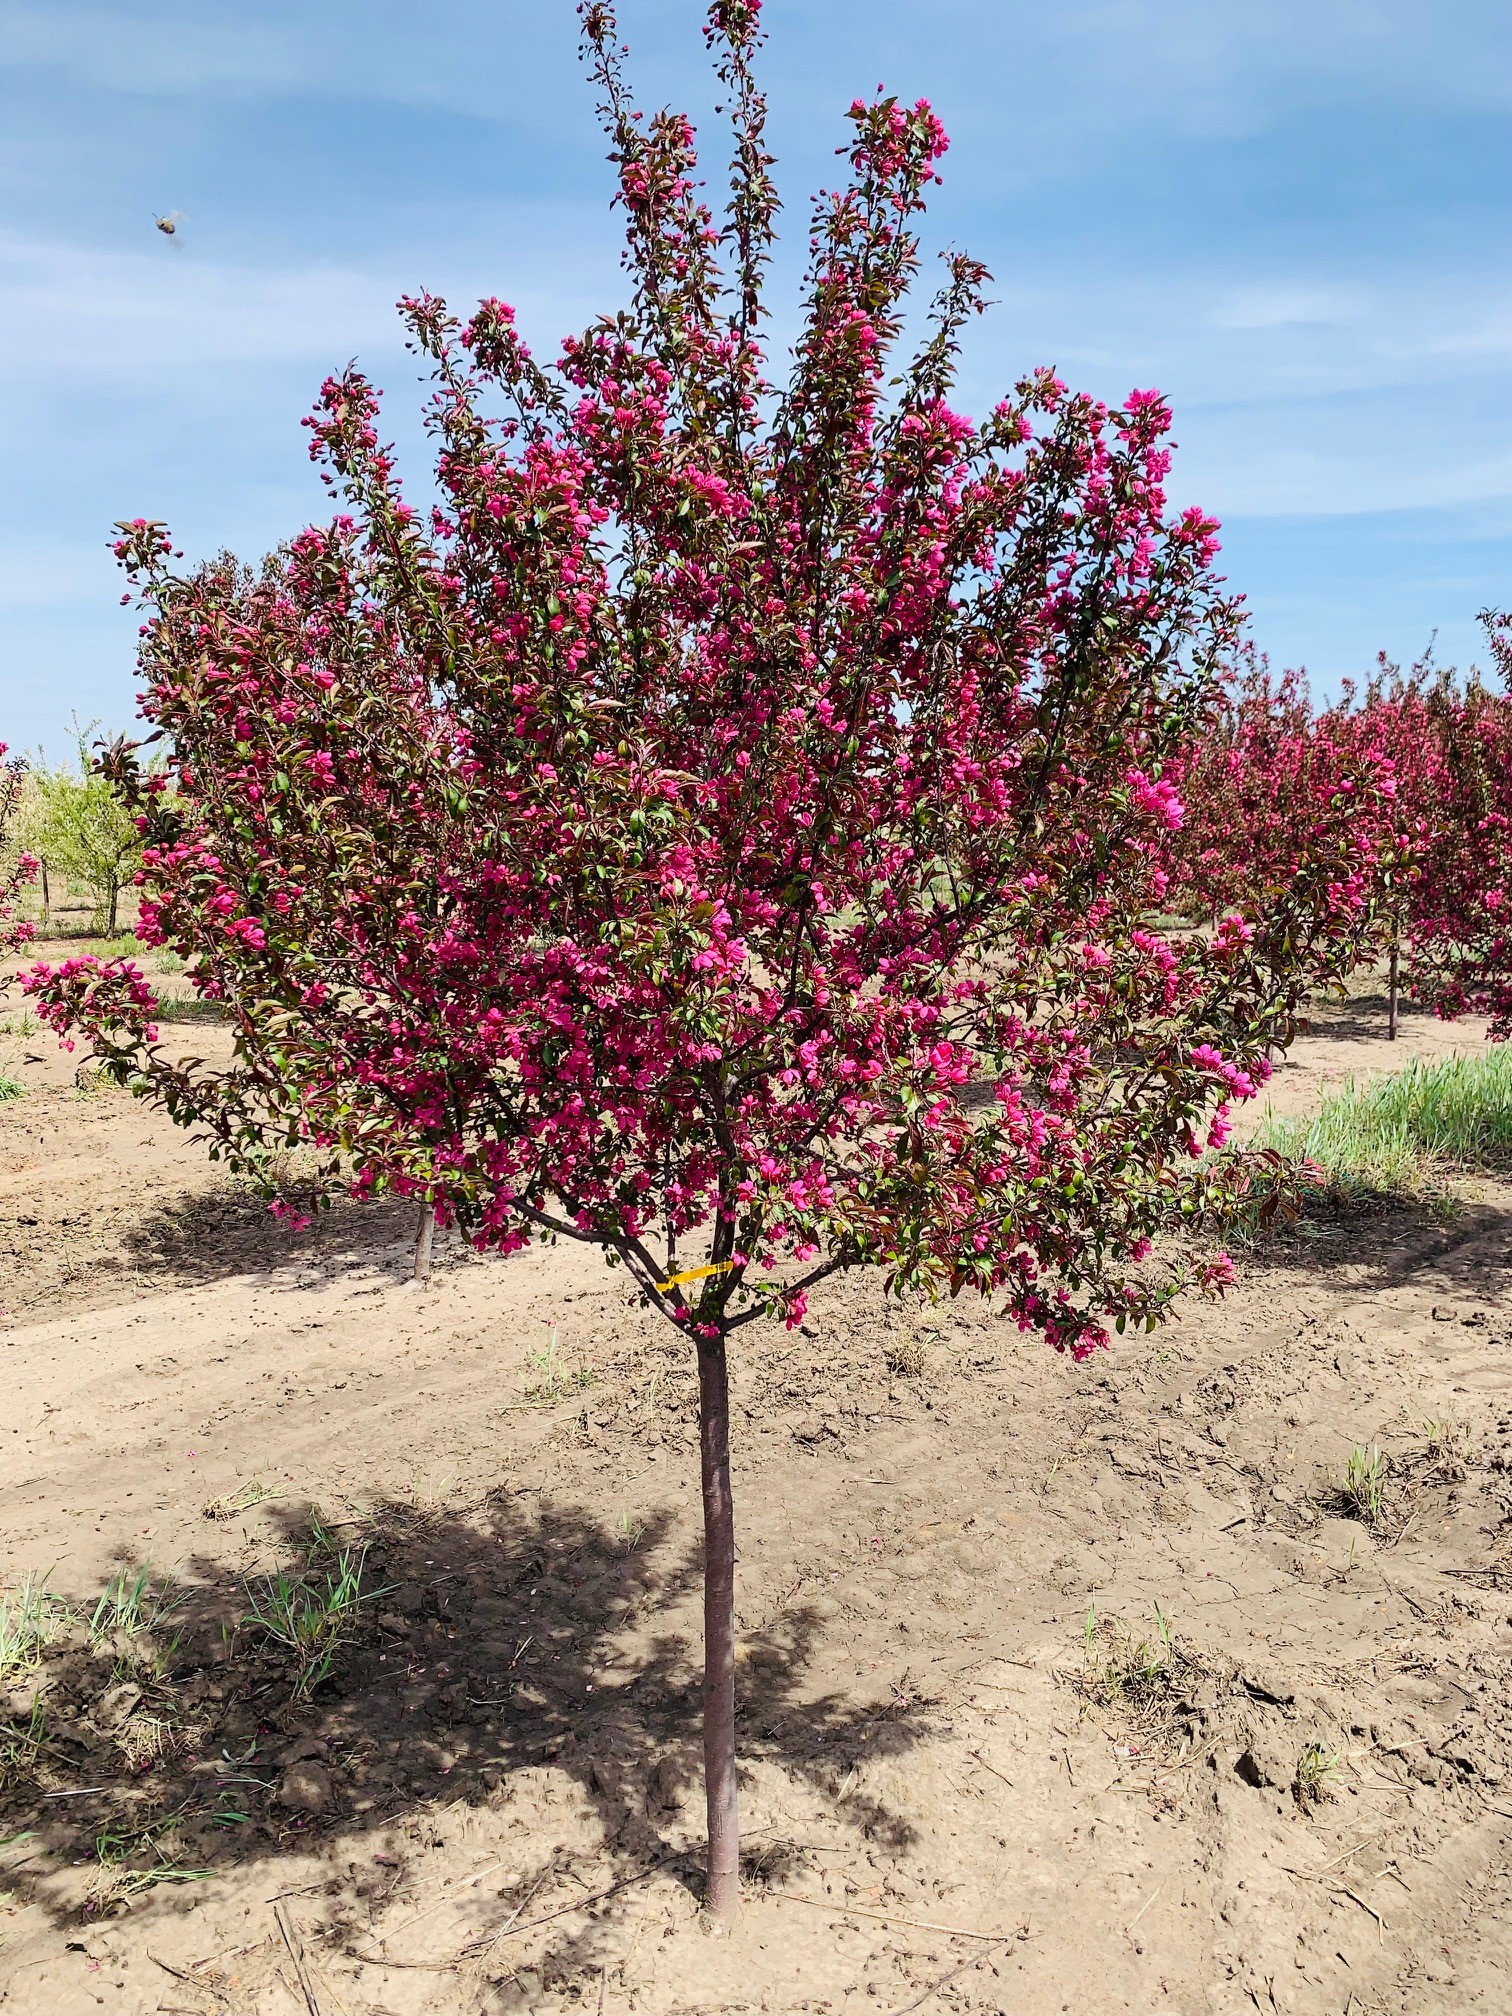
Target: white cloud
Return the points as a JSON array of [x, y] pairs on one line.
[[1284, 304], [107, 318], [1079, 69], [115, 315], [1337, 459], [1211, 338], [1215, 61]]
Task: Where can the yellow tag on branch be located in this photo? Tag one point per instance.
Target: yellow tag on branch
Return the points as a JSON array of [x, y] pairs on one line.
[[695, 1274]]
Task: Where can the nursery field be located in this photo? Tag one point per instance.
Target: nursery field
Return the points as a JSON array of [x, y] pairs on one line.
[[1176, 1680], [758, 825]]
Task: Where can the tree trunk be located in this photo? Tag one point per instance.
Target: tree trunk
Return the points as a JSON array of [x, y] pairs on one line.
[[46, 897], [1392, 979], [719, 1630], [424, 1239], [115, 891]]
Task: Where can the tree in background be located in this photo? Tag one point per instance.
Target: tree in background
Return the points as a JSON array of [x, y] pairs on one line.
[[1256, 785], [1461, 925], [18, 866], [720, 831], [1264, 769], [1411, 724], [81, 830]]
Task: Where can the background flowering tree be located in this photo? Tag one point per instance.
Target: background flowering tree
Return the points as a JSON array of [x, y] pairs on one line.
[[1460, 918], [17, 867], [721, 830], [1408, 725], [1402, 761], [1252, 789]]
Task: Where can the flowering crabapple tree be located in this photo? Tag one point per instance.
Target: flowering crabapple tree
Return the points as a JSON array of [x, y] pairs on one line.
[[1406, 726], [1439, 744], [720, 829], [18, 868], [1461, 918], [1266, 783], [1245, 774]]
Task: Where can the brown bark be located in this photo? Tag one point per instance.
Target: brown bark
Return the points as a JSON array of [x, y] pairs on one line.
[[424, 1238], [1392, 981], [720, 1791]]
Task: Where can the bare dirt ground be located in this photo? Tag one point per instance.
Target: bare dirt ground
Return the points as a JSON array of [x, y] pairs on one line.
[[977, 1777]]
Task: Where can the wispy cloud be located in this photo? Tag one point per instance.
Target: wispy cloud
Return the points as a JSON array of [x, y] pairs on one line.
[[1211, 339], [1081, 67], [114, 316], [1283, 213], [1187, 48], [100, 317]]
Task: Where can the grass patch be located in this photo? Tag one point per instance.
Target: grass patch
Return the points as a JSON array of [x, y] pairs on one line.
[[1364, 1487], [1405, 1137], [555, 1379], [1315, 1772], [132, 1858], [29, 1617], [22, 1742], [124, 945], [906, 1357], [135, 1600], [311, 1615], [92, 1080], [10, 1087], [236, 1502], [190, 1008], [1123, 1671]]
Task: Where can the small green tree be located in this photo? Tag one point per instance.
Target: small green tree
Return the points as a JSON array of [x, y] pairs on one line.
[[76, 824]]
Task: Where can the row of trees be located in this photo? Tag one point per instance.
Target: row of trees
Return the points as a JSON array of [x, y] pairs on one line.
[[1265, 762], [723, 828]]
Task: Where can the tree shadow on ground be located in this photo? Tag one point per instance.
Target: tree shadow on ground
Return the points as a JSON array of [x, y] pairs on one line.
[[206, 1235], [174, 1737], [1380, 1243], [1363, 1018]]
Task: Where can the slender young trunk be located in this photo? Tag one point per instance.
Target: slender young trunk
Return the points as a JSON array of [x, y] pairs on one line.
[[424, 1238], [1392, 976], [719, 1629], [115, 891], [46, 897]]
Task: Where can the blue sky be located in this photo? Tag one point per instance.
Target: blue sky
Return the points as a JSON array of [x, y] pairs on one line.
[[1291, 217]]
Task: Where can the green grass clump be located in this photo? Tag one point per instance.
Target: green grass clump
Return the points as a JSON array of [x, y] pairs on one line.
[[10, 1087], [1408, 1135], [1364, 1486], [312, 1615], [29, 1616], [557, 1380]]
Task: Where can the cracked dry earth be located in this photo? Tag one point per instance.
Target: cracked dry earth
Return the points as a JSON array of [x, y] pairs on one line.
[[977, 1776]]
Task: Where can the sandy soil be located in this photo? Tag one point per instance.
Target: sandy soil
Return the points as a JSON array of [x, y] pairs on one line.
[[965, 1788]]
